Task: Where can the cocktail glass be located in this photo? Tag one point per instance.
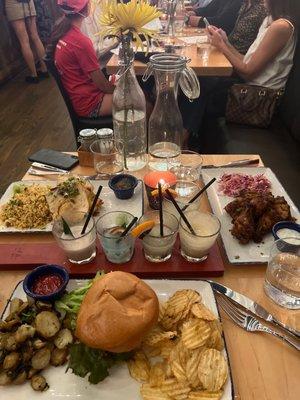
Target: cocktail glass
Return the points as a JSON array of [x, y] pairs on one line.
[[110, 226], [159, 248], [79, 248], [185, 190], [195, 248]]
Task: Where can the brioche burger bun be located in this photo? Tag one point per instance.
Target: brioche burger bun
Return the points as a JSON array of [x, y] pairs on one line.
[[116, 313]]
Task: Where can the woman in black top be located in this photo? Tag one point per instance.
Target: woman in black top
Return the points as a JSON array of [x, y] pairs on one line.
[[221, 13], [250, 18]]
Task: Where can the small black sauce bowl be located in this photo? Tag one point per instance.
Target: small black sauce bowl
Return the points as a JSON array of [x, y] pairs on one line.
[[123, 194], [284, 224], [46, 269]]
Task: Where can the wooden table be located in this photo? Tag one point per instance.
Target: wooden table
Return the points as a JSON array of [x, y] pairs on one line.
[[263, 368], [216, 64]]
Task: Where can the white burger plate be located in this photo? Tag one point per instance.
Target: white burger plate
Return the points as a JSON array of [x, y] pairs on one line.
[[237, 253], [119, 385], [135, 205]]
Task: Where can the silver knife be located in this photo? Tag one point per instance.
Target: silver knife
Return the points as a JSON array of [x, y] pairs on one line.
[[46, 167], [252, 306], [238, 163]]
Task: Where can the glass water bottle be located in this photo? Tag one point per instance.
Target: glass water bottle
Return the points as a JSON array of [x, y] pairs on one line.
[[129, 113], [165, 125]]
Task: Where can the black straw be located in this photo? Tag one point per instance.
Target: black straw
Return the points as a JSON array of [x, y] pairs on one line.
[[181, 212], [127, 229], [161, 217], [199, 194], [91, 210]]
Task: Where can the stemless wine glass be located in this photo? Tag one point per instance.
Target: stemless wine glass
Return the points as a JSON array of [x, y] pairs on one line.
[[282, 282], [108, 157]]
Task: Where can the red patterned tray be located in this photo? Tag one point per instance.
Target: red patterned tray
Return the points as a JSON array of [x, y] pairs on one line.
[[27, 256]]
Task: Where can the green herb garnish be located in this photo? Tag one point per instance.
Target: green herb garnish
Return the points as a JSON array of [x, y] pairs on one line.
[[18, 188], [93, 362], [28, 316], [69, 188]]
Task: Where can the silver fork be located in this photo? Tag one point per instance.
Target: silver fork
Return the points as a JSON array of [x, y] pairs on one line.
[[250, 323]]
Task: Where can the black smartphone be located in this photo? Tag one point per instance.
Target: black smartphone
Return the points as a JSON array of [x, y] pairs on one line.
[[54, 158]]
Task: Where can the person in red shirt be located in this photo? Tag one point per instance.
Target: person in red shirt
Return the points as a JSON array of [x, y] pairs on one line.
[[76, 60]]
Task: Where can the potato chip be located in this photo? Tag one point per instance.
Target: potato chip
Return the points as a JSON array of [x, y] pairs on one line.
[[139, 367], [215, 341], [178, 307], [176, 390], [162, 309], [157, 374], [156, 336], [181, 353], [212, 370], [199, 310], [195, 333], [152, 393], [205, 395], [151, 351], [191, 368], [166, 347], [178, 371]]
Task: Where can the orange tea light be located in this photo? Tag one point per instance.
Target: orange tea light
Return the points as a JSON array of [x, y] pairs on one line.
[[152, 179]]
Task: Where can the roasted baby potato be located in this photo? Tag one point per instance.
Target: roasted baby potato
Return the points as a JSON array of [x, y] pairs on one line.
[[59, 356], [4, 379], [47, 324], [15, 304], [63, 339], [24, 332], [39, 383], [11, 361], [41, 358]]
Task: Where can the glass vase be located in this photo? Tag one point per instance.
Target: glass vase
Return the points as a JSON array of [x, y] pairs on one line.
[[129, 112]]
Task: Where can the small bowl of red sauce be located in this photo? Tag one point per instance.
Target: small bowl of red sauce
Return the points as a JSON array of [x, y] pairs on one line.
[[46, 282]]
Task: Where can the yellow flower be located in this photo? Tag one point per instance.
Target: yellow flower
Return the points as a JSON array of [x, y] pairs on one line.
[[118, 18]]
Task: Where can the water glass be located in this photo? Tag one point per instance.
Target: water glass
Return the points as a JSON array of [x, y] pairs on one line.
[[108, 157], [282, 282], [79, 248], [187, 166], [159, 248], [118, 250], [195, 248]]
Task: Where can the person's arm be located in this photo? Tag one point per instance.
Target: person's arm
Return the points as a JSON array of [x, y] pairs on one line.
[[274, 41], [101, 82], [227, 16], [226, 41]]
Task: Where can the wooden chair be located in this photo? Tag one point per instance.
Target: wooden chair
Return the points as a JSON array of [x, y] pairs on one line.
[[78, 123]]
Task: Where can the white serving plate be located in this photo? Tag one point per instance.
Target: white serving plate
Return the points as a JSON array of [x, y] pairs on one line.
[[135, 205], [243, 253], [119, 385]]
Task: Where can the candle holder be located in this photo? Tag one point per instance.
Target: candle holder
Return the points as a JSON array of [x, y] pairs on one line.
[[152, 179]]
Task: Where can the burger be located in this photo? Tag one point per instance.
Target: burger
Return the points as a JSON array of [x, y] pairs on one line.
[[116, 313]]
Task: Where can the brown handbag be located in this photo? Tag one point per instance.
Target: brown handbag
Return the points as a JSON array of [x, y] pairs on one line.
[[252, 105]]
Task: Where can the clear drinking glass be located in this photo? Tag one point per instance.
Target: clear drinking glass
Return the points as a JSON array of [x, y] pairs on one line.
[[195, 248], [282, 282], [186, 190], [81, 248], [108, 157], [117, 249], [187, 166], [159, 248]]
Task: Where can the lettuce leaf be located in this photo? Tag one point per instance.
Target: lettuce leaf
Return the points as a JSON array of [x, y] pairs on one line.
[[95, 363]]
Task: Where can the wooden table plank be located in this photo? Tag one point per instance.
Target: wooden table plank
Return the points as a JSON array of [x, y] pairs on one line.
[[263, 367]]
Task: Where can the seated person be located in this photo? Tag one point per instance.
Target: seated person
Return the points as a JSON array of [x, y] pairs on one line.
[[219, 13], [76, 60], [267, 63], [91, 28], [251, 16]]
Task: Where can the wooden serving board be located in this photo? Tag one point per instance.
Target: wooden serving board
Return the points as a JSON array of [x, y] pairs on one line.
[[27, 256]]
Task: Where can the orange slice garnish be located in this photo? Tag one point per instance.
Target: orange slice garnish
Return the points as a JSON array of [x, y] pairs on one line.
[[142, 228], [172, 191]]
